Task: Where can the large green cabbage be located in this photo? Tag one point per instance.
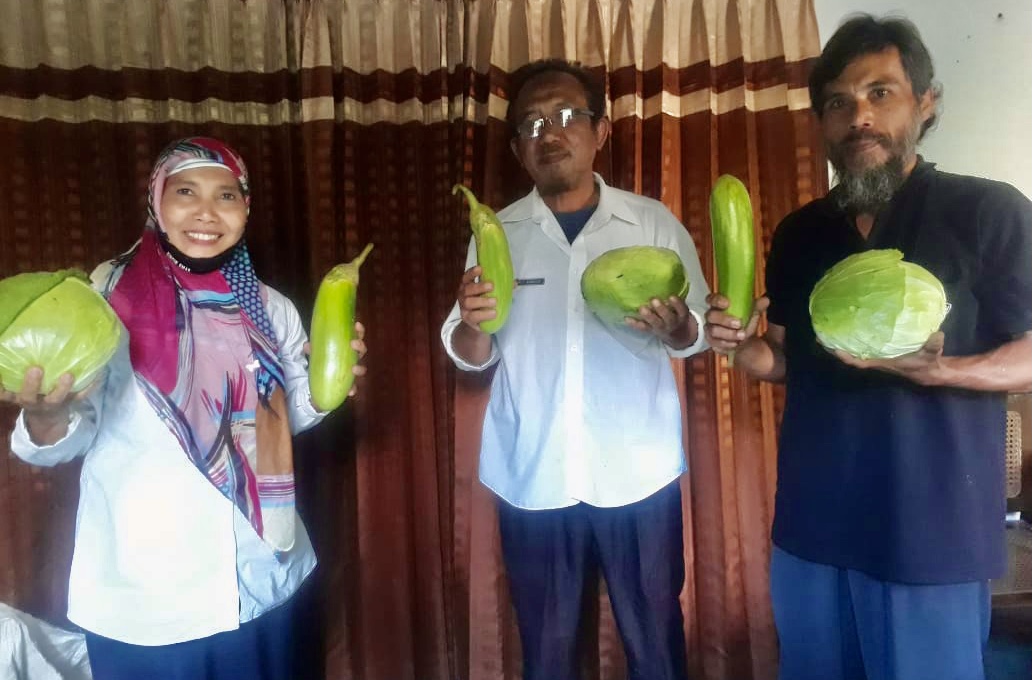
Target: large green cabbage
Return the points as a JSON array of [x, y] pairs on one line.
[[875, 305], [57, 321], [618, 282]]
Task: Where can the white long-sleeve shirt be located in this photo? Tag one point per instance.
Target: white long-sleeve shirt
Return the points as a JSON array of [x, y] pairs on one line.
[[161, 556], [580, 411]]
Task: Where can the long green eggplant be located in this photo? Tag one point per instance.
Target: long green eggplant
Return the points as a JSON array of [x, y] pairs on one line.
[[492, 256], [333, 329]]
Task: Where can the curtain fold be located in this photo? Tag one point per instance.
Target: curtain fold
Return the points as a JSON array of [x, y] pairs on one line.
[[356, 117]]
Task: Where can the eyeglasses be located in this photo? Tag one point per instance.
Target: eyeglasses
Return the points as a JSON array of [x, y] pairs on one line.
[[532, 128]]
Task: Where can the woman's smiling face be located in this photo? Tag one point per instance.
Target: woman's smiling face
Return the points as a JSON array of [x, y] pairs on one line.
[[203, 211]]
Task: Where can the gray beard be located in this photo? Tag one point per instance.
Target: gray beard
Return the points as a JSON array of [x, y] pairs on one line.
[[866, 192], [870, 190]]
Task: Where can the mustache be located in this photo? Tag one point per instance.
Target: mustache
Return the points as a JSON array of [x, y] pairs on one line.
[[867, 135], [549, 150]]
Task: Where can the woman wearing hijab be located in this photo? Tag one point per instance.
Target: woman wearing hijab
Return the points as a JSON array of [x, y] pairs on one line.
[[188, 548]]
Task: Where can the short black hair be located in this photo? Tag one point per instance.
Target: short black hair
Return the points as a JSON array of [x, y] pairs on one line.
[[594, 86], [863, 34]]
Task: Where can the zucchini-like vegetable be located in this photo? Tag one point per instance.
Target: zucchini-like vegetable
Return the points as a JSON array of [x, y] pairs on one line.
[[333, 329], [492, 256], [734, 248]]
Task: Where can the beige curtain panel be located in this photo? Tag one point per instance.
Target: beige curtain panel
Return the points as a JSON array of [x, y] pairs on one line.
[[178, 60], [356, 118]]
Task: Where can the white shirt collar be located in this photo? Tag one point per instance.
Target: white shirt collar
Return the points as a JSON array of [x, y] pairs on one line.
[[611, 203]]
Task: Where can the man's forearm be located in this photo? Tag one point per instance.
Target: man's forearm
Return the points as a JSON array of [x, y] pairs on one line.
[[761, 358], [471, 345], [1007, 368]]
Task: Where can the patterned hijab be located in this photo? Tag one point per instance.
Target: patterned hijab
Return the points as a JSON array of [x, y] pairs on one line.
[[205, 354]]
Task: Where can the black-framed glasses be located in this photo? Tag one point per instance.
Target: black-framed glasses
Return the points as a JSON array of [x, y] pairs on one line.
[[532, 128]]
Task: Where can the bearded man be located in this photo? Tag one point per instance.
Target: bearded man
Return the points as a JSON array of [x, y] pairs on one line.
[[889, 518]]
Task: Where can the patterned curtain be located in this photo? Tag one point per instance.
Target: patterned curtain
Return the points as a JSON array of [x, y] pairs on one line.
[[356, 117]]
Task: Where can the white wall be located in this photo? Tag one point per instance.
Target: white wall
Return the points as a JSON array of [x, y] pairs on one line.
[[984, 62]]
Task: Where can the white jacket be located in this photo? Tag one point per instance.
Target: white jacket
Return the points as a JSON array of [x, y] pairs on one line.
[[161, 556]]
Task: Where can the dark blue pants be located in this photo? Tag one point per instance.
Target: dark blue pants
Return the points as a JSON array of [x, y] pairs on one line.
[[839, 624], [551, 555], [262, 649]]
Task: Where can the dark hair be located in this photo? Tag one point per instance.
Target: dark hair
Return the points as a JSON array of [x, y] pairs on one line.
[[594, 87], [864, 34]]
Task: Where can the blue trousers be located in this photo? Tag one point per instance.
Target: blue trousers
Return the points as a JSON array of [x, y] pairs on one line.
[[552, 555], [840, 624], [262, 649]]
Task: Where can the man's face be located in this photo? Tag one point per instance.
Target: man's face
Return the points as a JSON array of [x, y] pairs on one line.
[[871, 121], [560, 159]]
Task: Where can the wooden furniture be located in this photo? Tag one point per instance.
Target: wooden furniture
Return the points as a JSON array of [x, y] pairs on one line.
[[1013, 454], [1016, 587]]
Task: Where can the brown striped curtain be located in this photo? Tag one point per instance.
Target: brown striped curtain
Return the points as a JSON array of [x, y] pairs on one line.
[[356, 117]]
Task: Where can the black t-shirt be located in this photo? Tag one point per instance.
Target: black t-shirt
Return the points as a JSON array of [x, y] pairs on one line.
[[876, 473]]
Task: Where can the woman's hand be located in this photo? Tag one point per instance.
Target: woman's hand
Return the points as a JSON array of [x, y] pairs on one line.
[[357, 344], [46, 416]]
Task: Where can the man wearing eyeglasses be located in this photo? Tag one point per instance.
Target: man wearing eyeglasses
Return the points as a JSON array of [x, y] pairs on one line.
[[582, 435]]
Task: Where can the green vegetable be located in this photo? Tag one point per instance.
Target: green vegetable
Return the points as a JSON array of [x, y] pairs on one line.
[[734, 247], [875, 305], [492, 256], [54, 320], [618, 282], [333, 328]]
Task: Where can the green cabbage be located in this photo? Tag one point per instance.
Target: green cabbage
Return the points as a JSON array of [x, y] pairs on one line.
[[618, 282], [57, 321], [875, 305]]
